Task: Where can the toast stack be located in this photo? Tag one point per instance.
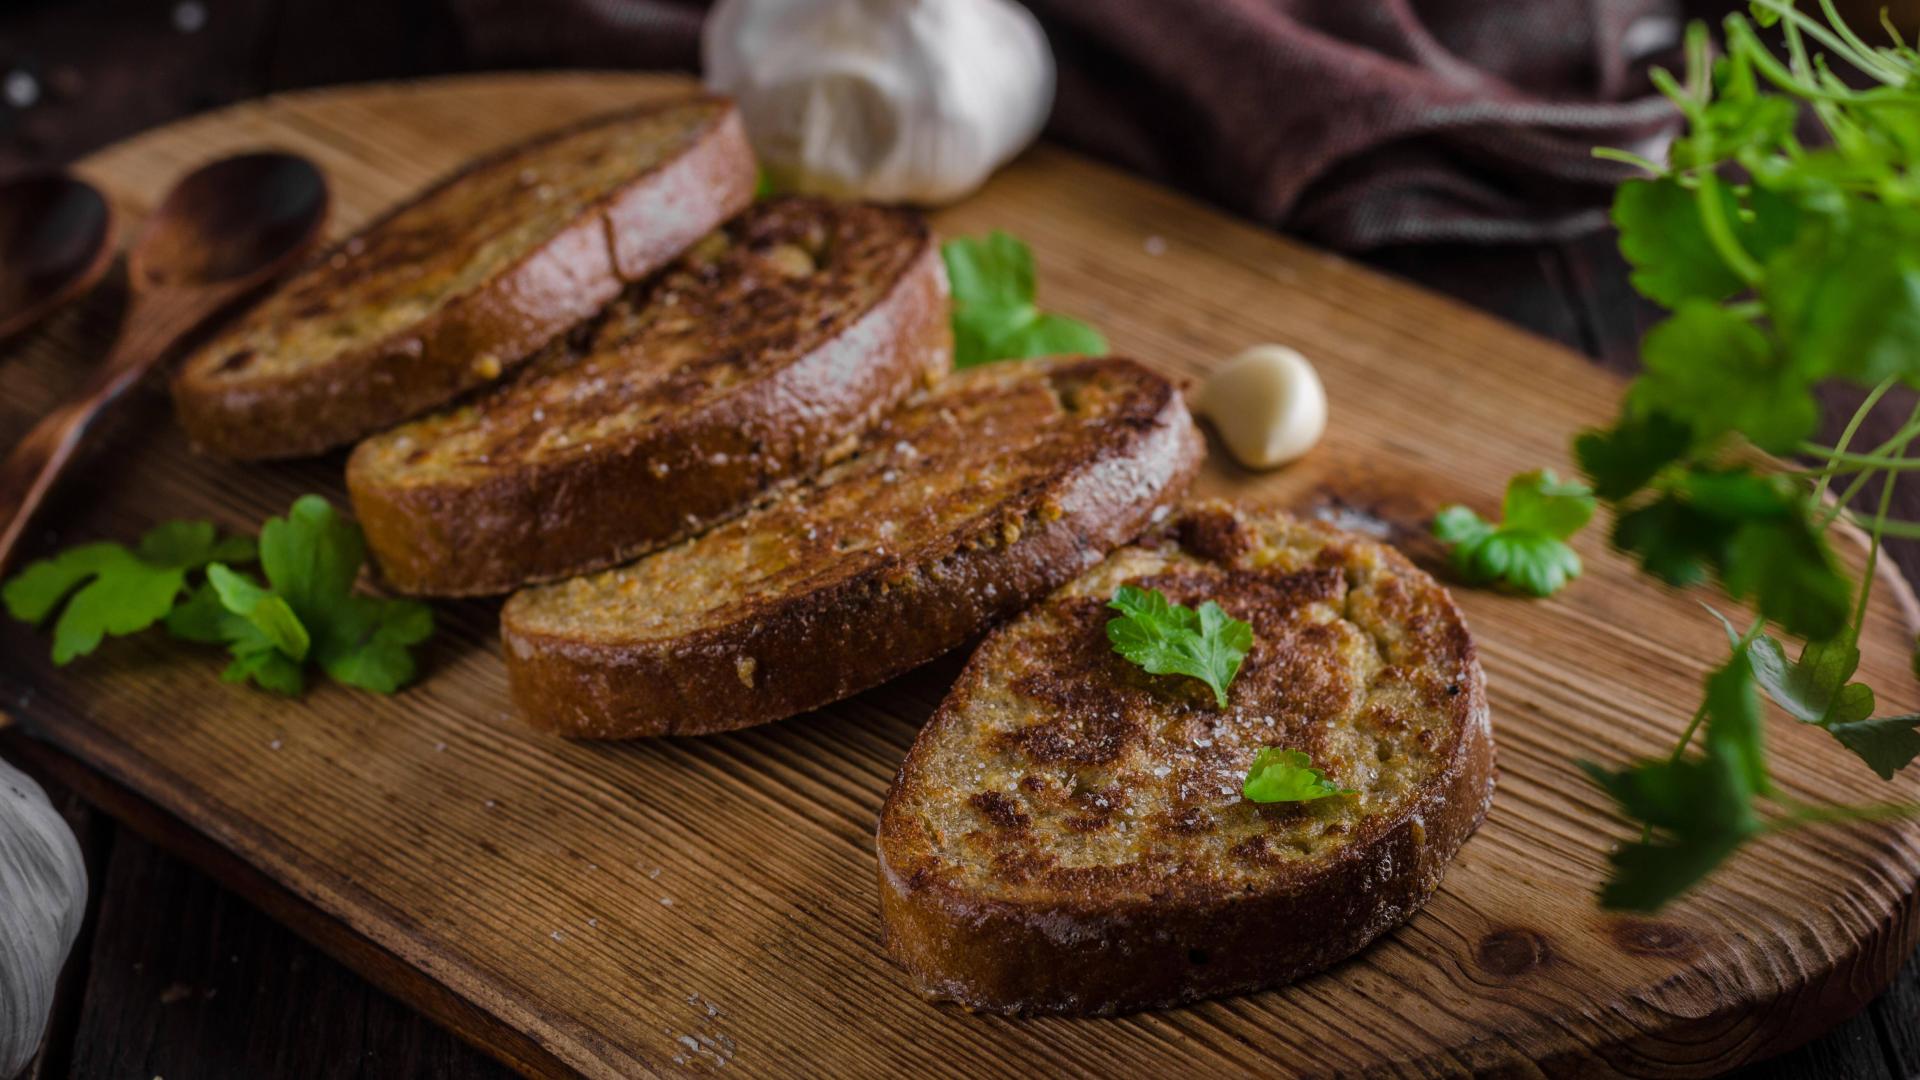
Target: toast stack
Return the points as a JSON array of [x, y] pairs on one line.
[[453, 289], [970, 502], [1069, 834], [748, 364]]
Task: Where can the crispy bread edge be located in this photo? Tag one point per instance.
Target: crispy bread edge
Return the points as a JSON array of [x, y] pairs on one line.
[[809, 650], [1100, 956], [474, 338], [540, 523]]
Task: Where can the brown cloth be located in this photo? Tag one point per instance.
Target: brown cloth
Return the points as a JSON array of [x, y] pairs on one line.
[[1356, 123]]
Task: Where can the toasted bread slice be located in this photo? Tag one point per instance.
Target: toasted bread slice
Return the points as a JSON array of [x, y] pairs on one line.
[[966, 505], [751, 362], [1068, 833], [455, 287]]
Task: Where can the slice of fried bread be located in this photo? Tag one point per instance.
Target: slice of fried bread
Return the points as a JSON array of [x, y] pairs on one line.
[[961, 508], [751, 362], [464, 281], [1069, 833]]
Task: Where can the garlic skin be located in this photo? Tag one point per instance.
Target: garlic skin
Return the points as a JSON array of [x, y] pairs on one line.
[[43, 897], [914, 101], [1267, 404]]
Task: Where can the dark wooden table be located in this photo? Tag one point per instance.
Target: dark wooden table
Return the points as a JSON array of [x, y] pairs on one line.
[[174, 976]]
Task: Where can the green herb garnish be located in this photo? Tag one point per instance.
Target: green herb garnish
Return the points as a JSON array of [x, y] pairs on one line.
[[994, 317], [120, 591], [1166, 638], [1287, 776], [1784, 264], [1696, 810], [306, 611], [1817, 689], [1528, 549]]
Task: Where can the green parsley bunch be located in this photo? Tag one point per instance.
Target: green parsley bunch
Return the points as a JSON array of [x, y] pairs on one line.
[[1783, 265], [182, 575]]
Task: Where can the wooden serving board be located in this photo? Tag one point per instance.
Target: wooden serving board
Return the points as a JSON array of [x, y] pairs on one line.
[[708, 905]]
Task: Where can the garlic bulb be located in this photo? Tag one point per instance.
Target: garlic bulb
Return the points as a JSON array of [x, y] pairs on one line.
[[1267, 404], [43, 896], [893, 100]]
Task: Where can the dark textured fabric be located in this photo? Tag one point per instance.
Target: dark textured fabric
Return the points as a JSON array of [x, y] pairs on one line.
[[1354, 122]]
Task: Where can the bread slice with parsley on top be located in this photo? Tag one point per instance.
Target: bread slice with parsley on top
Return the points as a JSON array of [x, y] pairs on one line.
[[1222, 759]]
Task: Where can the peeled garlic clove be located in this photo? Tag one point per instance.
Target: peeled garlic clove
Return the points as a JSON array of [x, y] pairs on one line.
[[43, 896], [1267, 404], [893, 100]]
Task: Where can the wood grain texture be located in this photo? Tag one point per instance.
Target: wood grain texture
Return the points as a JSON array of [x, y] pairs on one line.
[[669, 906]]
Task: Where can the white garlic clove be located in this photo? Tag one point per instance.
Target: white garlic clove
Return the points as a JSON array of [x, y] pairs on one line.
[[43, 897], [893, 100], [1267, 405]]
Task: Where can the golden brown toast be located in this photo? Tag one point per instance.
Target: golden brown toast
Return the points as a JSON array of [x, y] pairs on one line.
[[747, 364], [1069, 833], [461, 283], [962, 507]]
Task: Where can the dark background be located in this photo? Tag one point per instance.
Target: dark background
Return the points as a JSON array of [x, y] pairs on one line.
[[175, 977]]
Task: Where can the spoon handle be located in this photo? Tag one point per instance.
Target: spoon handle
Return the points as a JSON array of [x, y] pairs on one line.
[[154, 321]]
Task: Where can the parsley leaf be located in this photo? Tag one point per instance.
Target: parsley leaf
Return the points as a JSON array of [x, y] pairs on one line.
[[1278, 775], [1815, 690], [267, 613], [1165, 638], [119, 591], [311, 557], [1662, 239], [1734, 730], [1676, 542], [1528, 549], [1887, 744], [365, 643], [1722, 374], [1845, 297], [201, 617], [994, 317], [1785, 566], [307, 611], [1622, 461], [1757, 532], [1699, 809]]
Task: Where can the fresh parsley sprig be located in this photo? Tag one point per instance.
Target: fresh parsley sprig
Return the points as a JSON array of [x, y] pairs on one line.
[[306, 612], [1784, 264], [1278, 775], [1818, 689], [994, 316], [1166, 638], [1528, 549], [109, 588]]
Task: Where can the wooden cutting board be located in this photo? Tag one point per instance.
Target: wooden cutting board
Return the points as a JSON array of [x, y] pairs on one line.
[[708, 905]]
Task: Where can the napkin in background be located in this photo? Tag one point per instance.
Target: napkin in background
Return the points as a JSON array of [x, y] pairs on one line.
[[1356, 124]]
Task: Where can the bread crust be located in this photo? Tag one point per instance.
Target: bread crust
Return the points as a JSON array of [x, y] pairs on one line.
[[821, 646], [533, 522], [1093, 951], [471, 339]]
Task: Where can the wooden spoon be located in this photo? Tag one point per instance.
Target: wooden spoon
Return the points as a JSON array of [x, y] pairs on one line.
[[55, 233], [221, 232]]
